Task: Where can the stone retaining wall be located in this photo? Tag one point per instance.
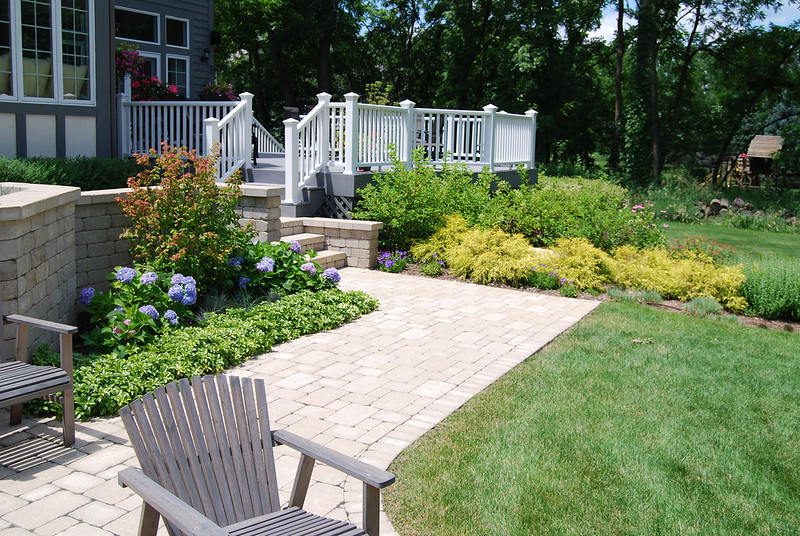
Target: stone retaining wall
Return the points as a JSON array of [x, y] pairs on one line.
[[357, 239]]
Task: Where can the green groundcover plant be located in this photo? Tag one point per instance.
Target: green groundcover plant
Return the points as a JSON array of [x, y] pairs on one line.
[[105, 382]]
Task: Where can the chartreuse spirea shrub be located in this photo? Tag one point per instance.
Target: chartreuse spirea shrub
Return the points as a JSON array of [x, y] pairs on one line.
[[104, 382], [482, 255], [181, 219], [678, 278], [585, 266]]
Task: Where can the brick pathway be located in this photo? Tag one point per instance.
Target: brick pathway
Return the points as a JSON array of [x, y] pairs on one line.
[[369, 389]]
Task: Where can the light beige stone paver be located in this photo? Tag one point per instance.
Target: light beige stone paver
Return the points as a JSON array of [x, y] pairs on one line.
[[369, 389]]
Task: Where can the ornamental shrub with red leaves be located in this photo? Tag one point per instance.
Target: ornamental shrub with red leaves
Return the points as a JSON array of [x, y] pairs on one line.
[[181, 219]]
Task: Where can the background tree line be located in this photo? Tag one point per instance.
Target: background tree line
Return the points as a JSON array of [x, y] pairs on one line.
[[681, 79]]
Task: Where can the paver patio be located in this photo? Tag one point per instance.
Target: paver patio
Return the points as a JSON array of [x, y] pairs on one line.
[[369, 389]]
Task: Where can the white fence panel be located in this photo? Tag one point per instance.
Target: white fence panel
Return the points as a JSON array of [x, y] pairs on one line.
[[379, 129], [337, 133], [178, 123], [451, 135], [513, 137]]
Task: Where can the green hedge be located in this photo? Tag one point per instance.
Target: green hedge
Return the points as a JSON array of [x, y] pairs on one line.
[[84, 172], [104, 383]]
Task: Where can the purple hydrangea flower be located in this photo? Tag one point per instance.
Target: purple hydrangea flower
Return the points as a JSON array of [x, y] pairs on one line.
[[171, 317], [309, 267], [189, 281], [295, 246], [332, 275], [86, 295], [177, 279], [265, 265], [150, 311], [243, 281], [126, 275], [148, 278], [235, 261]]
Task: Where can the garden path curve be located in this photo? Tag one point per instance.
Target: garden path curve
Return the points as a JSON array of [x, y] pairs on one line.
[[369, 388]]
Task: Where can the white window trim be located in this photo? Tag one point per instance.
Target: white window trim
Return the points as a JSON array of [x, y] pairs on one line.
[[154, 56], [158, 25], [188, 32], [188, 61], [56, 70]]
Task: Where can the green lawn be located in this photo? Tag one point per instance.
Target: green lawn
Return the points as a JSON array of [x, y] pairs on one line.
[[637, 422], [750, 244]]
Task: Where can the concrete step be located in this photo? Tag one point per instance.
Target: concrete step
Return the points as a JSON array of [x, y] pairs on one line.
[[329, 258], [290, 226], [307, 240]]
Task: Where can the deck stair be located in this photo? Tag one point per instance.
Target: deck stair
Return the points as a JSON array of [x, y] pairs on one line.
[[292, 230]]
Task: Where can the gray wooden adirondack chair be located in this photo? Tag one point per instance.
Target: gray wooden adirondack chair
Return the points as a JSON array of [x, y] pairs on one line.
[[21, 381], [205, 447]]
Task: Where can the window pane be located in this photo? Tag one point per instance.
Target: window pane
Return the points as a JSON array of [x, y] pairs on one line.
[[6, 86], [177, 33], [149, 66], [75, 48], [138, 26], [177, 74], [37, 48]]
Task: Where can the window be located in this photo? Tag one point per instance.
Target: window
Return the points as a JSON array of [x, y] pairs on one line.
[[178, 73], [6, 87], [75, 48], [37, 48], [177, 32], [151, 64], [46, 50], [136, 25]]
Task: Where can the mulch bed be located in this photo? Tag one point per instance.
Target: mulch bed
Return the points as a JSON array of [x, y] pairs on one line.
[[668, 305]]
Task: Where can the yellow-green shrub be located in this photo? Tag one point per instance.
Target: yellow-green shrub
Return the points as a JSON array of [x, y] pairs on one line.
[[483, 255], [679, 279], [584, 265]]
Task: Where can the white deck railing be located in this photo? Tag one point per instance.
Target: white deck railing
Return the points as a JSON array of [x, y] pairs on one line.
[[266, 142], [484, 138], [194, 125]]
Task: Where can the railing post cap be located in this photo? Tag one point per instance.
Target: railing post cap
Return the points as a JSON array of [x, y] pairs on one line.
[[531, 113], [351, 96], [208, 120], [245, 95], [324, 96], [490, 108], [408, 103], [290, 121]]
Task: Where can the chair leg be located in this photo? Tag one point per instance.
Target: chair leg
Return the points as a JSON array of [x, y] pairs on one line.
[[372, 510], [148, 523], [68, 418], [16, 414]]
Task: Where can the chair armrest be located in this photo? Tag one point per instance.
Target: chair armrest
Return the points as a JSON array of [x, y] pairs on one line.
[[184, 517], [368, 474], [43, 324]]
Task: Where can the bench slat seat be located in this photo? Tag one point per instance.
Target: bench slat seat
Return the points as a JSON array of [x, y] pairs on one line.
[[20, 382]]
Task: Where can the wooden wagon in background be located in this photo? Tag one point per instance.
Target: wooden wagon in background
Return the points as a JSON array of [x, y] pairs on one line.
[[756, 165]]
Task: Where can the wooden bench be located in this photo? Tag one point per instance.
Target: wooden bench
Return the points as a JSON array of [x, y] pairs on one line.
[[21, 381]]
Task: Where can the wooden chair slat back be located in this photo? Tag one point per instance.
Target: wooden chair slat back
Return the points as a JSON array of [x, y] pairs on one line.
[[2, 331], [209, 442]]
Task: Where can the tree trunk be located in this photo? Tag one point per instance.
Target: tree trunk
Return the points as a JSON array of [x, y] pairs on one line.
[[616, 139], [329, 21]]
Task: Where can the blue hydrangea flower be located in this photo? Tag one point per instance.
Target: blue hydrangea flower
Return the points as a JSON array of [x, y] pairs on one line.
[[235, 261], [189, 281], [332, 275], [126, 275], [177, 279], [148, 278], [86, 295], [295, 246], [175, 292], [243, 281], [189, 297], [309, 267], [171, 317], [266, 264], [150, 311]]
